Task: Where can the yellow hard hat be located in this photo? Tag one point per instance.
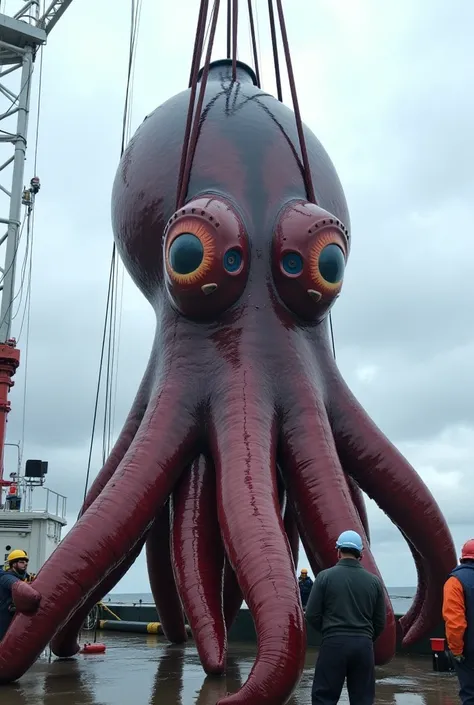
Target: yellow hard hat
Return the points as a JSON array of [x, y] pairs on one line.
[[303, 570], [17, 555]]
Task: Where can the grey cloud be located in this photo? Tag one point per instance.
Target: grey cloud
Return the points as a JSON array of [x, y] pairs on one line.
[[392, 103], [62, 380], [414, 398]]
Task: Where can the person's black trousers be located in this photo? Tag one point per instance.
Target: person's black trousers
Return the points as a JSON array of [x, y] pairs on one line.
[[342, 657], [465, 674]]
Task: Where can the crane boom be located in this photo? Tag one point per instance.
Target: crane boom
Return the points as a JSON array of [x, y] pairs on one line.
[[53, 14], [22, 33]]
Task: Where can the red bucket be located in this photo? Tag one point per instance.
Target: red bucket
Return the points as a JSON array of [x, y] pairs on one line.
[[438, 644]]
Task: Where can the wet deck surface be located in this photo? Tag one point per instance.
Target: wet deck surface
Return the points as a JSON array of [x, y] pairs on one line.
[[144, 670]]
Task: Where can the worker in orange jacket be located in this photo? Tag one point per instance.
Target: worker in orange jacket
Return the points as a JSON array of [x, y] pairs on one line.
[[458, 615]]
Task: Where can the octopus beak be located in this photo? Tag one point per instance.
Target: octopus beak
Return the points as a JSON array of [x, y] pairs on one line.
[[316, 295], [208, 289]]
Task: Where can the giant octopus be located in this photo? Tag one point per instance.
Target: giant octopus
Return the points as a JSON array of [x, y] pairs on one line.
[[243, 437]]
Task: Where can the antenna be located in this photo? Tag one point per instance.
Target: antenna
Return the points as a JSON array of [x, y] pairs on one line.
[[21, 36]]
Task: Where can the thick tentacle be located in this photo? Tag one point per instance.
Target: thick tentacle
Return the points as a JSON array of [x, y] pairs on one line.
[[359, 504], [384, 474], [231, 595], [244, 445], [319, 490], [198, 561], [65, 642], [313, 561], [123, 513], [162, 578], [126, 436]]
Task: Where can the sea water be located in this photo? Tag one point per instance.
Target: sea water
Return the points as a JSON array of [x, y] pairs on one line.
[[401, 598]]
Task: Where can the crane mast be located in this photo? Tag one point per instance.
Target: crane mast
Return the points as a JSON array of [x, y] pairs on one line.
[[22, 34]]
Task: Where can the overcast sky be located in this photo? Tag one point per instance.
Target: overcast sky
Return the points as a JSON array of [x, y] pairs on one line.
[[388, 88]]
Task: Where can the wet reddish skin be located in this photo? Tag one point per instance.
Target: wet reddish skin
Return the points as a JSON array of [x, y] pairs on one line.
[[311, 460], [25, 597], [66, 641], [198, 561], [202, 367], [162, 579], [127, 434], [102, 534], [368, 456], [254, 539]]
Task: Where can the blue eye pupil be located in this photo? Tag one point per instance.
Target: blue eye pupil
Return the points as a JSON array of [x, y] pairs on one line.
[[232, 260], [292, 263], [186, 253], [331, 264]]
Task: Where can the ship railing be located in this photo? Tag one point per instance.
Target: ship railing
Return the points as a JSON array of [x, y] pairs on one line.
[[36, 500]]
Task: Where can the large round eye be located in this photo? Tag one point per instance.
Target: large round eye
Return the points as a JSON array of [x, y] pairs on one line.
[[309, 258], [206, 257], [186, 254], [331, 263]]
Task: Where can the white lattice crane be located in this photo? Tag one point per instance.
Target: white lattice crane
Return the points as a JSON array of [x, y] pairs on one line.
[[22, 34]]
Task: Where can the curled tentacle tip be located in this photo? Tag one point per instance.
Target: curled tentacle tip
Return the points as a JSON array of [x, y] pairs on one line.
[[214, 661], [177, 638], [413, 630], [414, 634], [25, 598], [215, 668], [402, 625]]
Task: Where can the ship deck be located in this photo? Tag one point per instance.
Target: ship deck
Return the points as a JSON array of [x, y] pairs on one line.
[[145, 670]]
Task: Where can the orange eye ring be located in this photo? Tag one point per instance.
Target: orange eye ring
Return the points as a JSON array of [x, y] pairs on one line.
[[309, 256], [327, 261], [187, 255], [206, 257]]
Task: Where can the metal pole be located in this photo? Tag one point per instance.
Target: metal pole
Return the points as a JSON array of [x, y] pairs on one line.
[[16, 196], [20, 38]]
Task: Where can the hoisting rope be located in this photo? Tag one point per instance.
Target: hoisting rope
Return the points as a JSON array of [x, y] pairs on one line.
[[110, 338], [253, 40], [235, 25], [195, 109]]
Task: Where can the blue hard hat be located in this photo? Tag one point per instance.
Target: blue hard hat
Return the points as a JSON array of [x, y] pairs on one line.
[[350, 539]]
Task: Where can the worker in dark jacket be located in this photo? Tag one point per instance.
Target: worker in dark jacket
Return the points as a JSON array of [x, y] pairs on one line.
[[15, 592], [458, 615], [347, 606], [305, 584]]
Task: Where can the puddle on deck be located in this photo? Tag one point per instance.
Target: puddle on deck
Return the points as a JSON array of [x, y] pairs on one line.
[[144, 670]]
